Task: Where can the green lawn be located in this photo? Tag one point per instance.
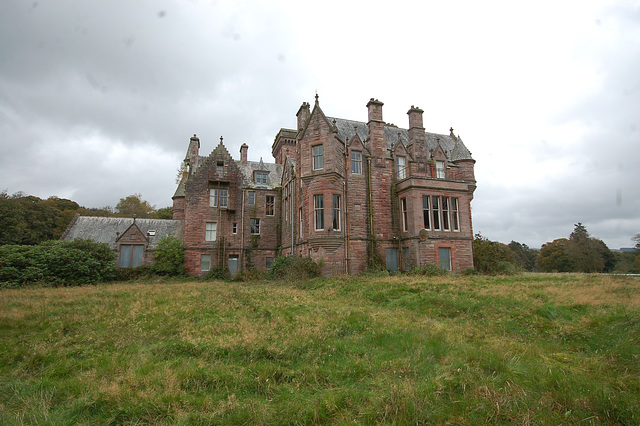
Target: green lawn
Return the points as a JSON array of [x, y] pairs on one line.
[[528, 349]]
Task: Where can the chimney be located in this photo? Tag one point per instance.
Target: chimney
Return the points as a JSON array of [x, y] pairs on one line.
[[417, 136], [192, 153], [375, 128], [243, 154], [303, 115]]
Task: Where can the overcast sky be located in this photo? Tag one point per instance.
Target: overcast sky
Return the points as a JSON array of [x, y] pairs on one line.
[[98, 99]]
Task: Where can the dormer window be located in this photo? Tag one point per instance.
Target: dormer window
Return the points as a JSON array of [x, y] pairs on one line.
[[261, 178], [401, 167], [440, 173]]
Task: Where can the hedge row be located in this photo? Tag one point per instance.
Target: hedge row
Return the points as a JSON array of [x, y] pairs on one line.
[[57, 263]]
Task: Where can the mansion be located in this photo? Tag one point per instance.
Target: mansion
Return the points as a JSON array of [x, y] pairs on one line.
[[349, 194]]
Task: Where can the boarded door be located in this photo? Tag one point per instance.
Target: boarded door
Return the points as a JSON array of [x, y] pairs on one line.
[[233, 265], [392, 259]]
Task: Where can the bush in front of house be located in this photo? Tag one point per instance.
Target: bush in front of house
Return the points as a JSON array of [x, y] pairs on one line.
[[168, 259], [293, 267], [57, 263], [428, 270]]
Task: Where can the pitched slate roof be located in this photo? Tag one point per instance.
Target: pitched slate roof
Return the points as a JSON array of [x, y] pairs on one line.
[[107, 229], [275, 173], [449, 143]]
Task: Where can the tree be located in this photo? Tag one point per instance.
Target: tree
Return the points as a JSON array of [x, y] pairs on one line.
[[492, 257], [134, 206], [164, 213], [553, 256], [585, 253], [580, 253], [525, 256]]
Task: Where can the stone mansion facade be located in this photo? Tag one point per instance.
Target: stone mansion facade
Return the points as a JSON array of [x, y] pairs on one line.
[[346, 193]]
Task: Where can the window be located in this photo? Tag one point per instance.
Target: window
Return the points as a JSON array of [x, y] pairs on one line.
[[300, 220], [269, 262], [401, 169], [356, 162], [270, 207], [131, 255], [211, 229], [335, 224], [318, 212], [218, 197], [444, 253], [252, 198], [436, 213], [261, 178], [220, 163], [403, 207], [440, 169], [234, 228], [455, 218], [255, 226], [426, 212], [205, 262], [317, 152], [445, 213]]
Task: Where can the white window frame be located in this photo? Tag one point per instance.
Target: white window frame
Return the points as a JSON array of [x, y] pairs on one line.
[[335, 222], [270, 208], [455, 215], [318, 212], [446, 226], [426, 212], [218, 197], [203, 263], [210, 231], [403, 209], [435, 209], [261, 178], [401, 167], [440, 169], [255, 226], [356, 162], [317, 153], [234, 228], [251, 195]]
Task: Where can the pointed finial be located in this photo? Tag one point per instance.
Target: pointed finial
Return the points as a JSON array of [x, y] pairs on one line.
[[316, 96], [220, 139], [451, 131]]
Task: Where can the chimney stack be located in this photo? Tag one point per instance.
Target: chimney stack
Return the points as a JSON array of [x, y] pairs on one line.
[[417, 136], [375, 128], [193, 153], [243, 154], [303, 115]]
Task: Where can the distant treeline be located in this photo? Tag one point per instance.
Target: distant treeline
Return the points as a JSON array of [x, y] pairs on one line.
[[579, 253], [29, 220]]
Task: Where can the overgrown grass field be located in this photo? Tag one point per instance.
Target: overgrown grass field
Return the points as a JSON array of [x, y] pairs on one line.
[[526, 349]]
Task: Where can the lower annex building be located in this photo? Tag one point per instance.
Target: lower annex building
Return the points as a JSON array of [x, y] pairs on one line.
[[348, 194]]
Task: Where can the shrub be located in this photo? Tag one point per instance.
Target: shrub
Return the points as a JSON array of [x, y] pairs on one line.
[[490, 257], [58, 263], [218, 273], [168, 258], [294, 267], [130, 274], [428, 270]]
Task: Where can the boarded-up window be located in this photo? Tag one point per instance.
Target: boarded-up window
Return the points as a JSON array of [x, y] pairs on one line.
[[131, 255]]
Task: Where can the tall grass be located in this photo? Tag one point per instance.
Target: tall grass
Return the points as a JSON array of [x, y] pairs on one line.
[[528, 349]]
